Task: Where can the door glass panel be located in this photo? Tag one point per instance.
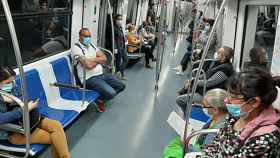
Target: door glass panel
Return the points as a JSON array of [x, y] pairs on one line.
[[260, 32]]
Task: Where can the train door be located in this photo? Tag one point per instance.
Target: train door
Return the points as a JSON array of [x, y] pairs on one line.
[[103, 12], [257, 27]]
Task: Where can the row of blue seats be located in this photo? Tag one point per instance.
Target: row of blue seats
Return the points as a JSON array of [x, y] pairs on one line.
[[35, 89]]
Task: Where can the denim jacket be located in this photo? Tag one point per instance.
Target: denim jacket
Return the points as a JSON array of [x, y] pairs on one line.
[[8, 115]]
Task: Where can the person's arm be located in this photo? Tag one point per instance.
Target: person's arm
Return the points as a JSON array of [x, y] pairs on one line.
[[88, 63], [215, 79], [10, 116]]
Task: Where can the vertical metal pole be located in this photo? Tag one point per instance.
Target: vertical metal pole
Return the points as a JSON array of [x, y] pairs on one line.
[[189, 107], [113, 36], [160, 46], [21, 73]]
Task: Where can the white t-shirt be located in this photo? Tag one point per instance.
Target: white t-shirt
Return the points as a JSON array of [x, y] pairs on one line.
[[87, 52]]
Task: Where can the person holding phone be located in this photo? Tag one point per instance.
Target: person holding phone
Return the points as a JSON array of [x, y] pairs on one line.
[[47, 131]]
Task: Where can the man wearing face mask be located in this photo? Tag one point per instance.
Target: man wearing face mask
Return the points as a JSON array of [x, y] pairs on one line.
[[87, 56], [121, 57]]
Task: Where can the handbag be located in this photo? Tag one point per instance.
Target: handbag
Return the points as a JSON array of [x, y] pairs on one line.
[[35, 119]]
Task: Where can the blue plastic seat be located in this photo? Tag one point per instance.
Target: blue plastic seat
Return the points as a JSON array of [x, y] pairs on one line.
[[63, 75], [198, 114]]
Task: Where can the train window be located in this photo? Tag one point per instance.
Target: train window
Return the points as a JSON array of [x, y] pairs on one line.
[[261, 22], [39, 36], [27, 6]]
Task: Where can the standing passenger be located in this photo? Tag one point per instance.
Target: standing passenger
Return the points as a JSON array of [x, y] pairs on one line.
[[120, 46], [87, 56]]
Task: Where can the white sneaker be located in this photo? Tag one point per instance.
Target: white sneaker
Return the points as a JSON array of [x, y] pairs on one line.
[[177, 68], [180, 72]]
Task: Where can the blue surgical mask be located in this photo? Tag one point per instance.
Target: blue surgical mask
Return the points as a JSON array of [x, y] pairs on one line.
[[7, 87], [236, 111], [87, 41]]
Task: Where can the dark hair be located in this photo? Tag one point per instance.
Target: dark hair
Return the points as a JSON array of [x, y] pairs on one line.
[[117, 16], [228, 52], [6, 73], [83, 29], [254, 82], [256, 55], [211, 22]]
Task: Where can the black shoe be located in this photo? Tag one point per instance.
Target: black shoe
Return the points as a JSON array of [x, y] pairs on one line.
[[148, 66], [154, 60]]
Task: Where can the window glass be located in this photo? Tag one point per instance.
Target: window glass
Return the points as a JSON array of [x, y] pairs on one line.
[[39, 36], [28, 6], [260, 33]]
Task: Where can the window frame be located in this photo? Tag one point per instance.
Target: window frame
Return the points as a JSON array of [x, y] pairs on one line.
[[50, 13]]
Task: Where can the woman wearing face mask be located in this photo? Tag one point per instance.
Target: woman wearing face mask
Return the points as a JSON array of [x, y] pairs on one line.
[[215, 107], [47, 132], [252, 130], [216, 77]]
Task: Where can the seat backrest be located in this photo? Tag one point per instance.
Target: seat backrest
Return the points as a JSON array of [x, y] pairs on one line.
[[34, 87], [62, 71]]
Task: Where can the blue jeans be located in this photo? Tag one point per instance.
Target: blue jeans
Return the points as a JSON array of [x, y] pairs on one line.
[[106, 84], [121, 60]]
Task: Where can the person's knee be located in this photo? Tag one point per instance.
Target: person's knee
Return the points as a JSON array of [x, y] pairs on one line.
[[181, 101], [53, 125], [109, 95], [122, 87]]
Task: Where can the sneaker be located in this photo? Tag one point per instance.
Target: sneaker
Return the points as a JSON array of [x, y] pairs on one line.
[[154, 60], [180, 73], [100, 106], [123, 78], [179, 67], [148, 66]]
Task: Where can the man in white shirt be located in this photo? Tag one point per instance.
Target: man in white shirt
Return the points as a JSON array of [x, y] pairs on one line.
[[88, 56]]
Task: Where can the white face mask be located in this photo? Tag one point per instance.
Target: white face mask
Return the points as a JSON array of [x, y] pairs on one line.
[[216, 56], [207, 28], [206, 112], [119, 22]]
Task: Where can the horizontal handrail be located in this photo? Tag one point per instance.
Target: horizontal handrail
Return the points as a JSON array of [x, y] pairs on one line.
[[199, 132]]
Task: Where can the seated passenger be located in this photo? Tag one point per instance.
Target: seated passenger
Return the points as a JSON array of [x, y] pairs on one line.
[[258, 57], [136, 43], [215, 107], [253, 128], [46, 132], [216, 78], [87, 56]]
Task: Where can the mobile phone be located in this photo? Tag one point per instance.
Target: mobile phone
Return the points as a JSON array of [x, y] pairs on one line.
[[37, 100]]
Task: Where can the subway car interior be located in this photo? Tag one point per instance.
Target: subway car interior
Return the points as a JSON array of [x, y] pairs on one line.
[[140, 78]]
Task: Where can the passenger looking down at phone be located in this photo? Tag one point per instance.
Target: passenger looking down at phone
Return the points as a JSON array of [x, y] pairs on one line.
[[43, 130]]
